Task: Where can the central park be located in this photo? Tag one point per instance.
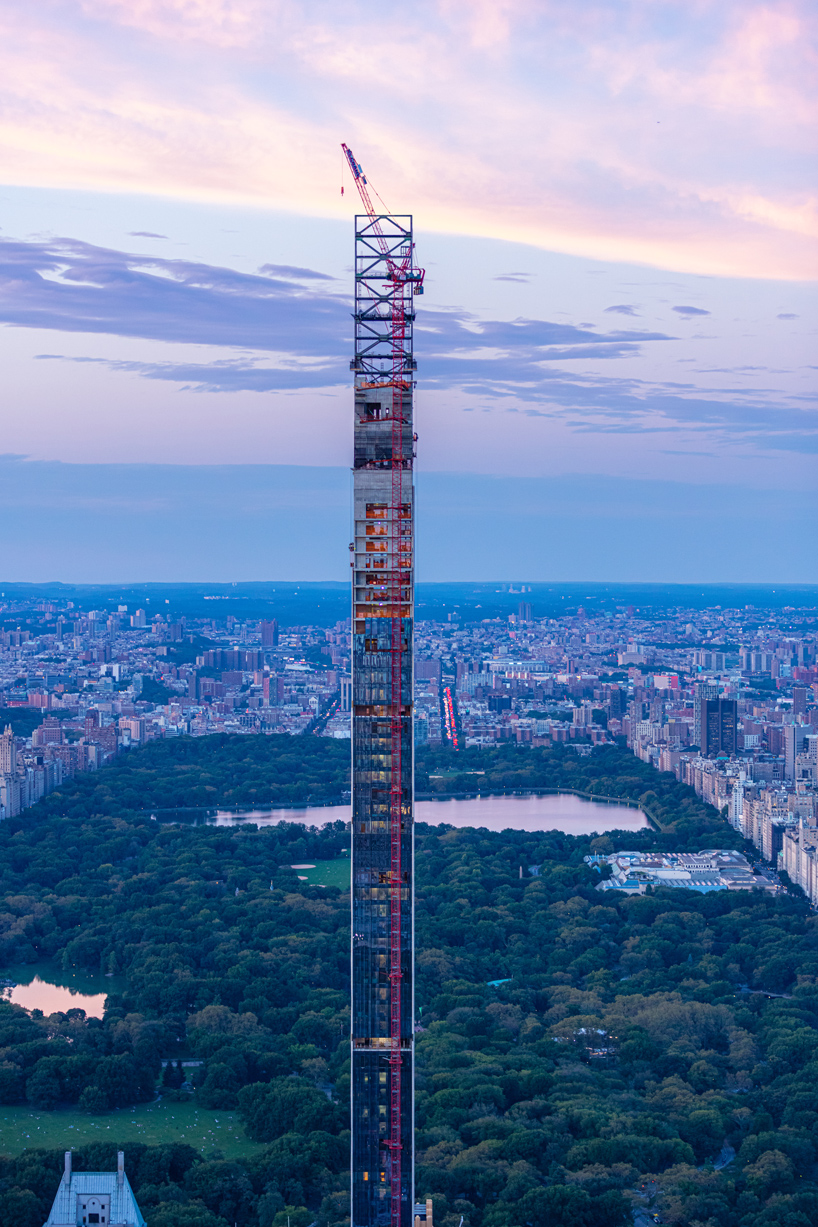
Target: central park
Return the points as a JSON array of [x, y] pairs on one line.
[[579, 1056]]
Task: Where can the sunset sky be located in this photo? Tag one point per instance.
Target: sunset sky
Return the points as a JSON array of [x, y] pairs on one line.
[[616, 205]]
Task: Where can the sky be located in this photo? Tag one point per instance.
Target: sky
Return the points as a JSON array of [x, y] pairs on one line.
[[616, 207]]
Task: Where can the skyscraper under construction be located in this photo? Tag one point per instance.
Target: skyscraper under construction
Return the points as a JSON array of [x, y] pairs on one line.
[[386, 281]]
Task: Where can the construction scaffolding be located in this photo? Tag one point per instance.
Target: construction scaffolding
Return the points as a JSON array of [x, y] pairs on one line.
[[386, 281]]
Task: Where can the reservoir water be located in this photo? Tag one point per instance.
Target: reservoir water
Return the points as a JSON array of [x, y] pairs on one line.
[[570, 814], [48, 988]]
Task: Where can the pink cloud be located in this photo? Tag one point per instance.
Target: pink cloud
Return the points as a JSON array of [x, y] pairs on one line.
[[223, 23], [675, 135]]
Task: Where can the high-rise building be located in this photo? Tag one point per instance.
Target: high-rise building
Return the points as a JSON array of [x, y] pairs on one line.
[[753, 661], [11, 800], [799, 700], [269, 634], [719, 723], [134, 726], [612, 696], [8, 752], [702, 692], [49, 733], [714, 661], [795, 736], [382, 726]]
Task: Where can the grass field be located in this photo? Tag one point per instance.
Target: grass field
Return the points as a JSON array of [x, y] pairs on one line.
[[328, 873], [22, 1128]]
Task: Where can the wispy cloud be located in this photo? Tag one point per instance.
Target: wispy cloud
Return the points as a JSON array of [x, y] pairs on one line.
[[291, 272], [690, 312], [622, 308], [224, 374], [77, 287], [673, 135]]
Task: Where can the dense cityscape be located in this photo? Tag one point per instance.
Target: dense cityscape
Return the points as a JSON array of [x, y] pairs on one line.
[[725, 699]]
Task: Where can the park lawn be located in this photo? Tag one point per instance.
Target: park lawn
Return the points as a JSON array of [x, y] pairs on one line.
[[329, 873], [23, 1128]]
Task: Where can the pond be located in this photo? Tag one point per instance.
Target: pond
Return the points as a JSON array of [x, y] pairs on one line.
[[46, 987], [573, 815]]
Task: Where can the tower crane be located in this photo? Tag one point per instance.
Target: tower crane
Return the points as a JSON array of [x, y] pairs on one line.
[[400, 270]]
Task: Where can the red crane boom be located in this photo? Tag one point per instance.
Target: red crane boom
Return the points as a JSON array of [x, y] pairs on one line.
[[400, 271]]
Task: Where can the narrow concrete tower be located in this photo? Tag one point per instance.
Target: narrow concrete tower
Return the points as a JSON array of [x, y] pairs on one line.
[[382, 723]]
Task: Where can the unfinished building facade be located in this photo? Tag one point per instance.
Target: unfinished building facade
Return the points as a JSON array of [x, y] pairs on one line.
[[382, 725]]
